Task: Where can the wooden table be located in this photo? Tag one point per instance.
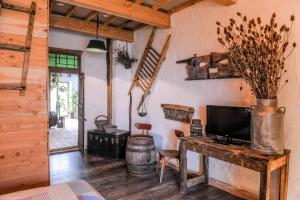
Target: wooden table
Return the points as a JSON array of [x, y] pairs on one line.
[[240, 155]]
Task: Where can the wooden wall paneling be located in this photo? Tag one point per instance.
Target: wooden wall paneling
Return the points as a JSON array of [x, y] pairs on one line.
[[24, 161]]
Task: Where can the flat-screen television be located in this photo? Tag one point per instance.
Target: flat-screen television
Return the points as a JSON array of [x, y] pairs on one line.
[[228, 124]]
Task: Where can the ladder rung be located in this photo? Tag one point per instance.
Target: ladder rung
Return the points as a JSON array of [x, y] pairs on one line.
[[154, 51], [11, 86], [13, 47]]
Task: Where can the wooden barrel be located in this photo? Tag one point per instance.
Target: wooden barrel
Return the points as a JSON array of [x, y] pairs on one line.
[[140, 156]]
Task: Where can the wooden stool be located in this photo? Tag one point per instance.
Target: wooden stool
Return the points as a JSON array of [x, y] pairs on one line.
[[144, 127], [166, 155]]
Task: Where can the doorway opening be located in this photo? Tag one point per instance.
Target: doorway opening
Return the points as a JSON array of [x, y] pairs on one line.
[[65, 101]]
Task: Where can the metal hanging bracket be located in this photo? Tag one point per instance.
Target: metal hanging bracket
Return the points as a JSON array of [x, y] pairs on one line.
[[26, 48]]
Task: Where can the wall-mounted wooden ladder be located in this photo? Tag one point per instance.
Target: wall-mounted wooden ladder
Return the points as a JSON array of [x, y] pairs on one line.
[[146, 73], [149, 65], [14, 47]]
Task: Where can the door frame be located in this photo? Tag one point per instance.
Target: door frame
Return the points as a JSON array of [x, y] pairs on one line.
[[79, 72]]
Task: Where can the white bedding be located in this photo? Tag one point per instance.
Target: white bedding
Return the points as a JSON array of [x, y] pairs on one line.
[[75, 190]]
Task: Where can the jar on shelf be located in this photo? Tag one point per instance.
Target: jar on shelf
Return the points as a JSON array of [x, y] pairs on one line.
[[196, 128]]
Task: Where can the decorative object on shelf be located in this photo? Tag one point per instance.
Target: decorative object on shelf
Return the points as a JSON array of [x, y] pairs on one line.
[[196, 128], [18, 48], [213, 66], [258, 53], [178, 112], [140, 156], [123, 58], [100, 121], [108, 145], [109, 128], [146, 73]]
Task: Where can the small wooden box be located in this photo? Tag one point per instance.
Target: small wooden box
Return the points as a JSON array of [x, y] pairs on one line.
[[111, 145]]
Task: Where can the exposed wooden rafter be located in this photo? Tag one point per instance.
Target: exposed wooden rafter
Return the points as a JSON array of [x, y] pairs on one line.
[[227, 2], [89, 28], [160, 4], [91, 16], [184, 5], [52, 4], [122, 25], [71, 11], [155, 6], [109, 20], [139, 26], [112, 18], [125, 9], [139, 1]]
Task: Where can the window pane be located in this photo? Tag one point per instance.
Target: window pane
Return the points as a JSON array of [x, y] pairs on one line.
[[63, 60]]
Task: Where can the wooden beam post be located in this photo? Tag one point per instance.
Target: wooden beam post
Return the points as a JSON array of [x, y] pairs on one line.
[[89, 28], [228, 2], [109, 78], [125, 9]]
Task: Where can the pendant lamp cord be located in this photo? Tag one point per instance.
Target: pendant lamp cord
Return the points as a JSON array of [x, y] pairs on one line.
[[97, 25]]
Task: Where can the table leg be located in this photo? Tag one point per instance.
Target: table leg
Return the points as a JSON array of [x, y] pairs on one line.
[[183, 167], [205, 165], [265, 179], [284, 171]]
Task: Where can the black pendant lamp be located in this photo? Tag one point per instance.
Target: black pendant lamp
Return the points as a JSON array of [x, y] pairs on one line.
[[97, 46]]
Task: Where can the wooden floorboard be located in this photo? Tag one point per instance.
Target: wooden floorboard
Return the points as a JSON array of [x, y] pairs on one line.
[[110, 178]]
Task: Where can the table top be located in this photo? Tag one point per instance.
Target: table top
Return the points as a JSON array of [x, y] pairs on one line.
[[235, 153]]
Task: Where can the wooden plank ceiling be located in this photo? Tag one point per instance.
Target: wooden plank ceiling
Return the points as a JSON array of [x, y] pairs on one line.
[[118, 18]]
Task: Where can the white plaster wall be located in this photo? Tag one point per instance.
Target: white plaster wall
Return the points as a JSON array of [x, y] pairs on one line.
[[94, 69], [193, 30]]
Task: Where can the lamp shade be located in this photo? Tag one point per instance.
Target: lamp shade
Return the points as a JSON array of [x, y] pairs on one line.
[[97, 46]]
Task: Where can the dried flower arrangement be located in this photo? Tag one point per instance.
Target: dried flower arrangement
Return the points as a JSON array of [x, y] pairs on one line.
[[123, 58], [258, 52]]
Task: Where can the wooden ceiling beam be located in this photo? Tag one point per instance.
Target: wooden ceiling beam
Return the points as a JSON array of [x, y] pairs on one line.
[[125, 9], [155, 6], [139, 1], [71, 11], [122, 25], [161, 4], [109, 20], [52, 4], [91, 16], [227, 2], [137, 27], [89, 28], [112, 18], [184, 5]]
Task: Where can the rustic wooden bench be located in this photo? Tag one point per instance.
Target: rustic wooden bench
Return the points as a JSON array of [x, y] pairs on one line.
[[241, 155]]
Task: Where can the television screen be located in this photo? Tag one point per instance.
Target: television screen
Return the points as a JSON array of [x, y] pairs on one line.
[[230, 122]]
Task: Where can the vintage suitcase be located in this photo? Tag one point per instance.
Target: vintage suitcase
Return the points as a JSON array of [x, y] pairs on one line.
[[112, 145]]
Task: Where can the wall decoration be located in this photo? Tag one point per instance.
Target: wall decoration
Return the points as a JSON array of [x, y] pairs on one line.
[[212, 66], [178, 112], [123, 58], [146, 73], [258, 52]]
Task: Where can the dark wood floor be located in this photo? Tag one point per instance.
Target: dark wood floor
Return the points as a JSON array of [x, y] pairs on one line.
[[112, 181]]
